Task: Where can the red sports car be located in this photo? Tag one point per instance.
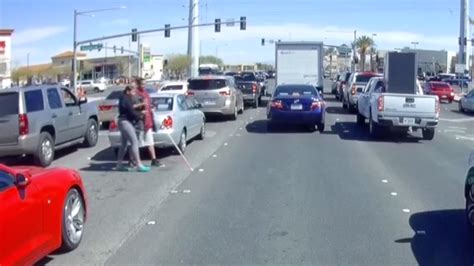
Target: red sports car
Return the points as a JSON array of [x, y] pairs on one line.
[[41, 210]]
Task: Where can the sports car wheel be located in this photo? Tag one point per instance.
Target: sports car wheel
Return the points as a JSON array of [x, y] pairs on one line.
[[73, 219]]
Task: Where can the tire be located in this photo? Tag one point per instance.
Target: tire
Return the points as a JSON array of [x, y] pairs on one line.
[[450, 101], [320, 127], [72, 220], [256, 103], [360, 119], [92, 134], [428, 133], [270, 126], [241, 111], [235, 114], [311, 127], [460, 108], [202, 133], [44, 154], [374, 128], [344, 105], [182, 141], [96, 90], [352, 109], [469, 210]]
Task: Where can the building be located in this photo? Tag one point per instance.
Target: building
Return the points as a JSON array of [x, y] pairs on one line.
[[431, 61], [5, 58], [240, 67]]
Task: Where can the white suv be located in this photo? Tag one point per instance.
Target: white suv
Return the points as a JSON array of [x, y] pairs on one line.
[[90, 85]]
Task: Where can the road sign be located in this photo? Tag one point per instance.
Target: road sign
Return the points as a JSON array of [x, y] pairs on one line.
[[459, 68], [230, 23], [91, 47]]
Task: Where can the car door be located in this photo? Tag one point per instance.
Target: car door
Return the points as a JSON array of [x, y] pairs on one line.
[[77, 121], [59, 115], [364, 98], [238, 93], [194, 116], [469, 101], [21, 224]]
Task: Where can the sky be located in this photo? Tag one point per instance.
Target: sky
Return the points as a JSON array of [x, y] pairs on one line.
[[44, 28]]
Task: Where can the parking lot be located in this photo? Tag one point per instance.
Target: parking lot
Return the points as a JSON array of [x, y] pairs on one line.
[[243, 175]]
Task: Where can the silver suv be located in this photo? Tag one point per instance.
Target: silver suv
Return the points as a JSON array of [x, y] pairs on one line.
[[37, 120], [217, 95]]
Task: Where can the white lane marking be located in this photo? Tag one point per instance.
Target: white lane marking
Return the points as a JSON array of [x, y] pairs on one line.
[[238, 135], [456, 127], [464, 137], [210, 134], [103, 133], [174, 191], [337, 119], [186, 191], [454, 131], [457, 120], [393, 193], [439, 130], [89, 158], [406, 210], [214, 156], [151, 223], [251, 118], [384, 181], [240, 128], [231, 135], [225, 144], [457, 137], [201, 170]]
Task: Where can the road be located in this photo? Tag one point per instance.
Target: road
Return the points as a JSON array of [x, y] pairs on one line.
[[289, 196]]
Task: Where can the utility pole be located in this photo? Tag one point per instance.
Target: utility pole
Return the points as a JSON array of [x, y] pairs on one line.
[[193, 38], [463, 55], [353, 68], [74, 53], [139, 45]]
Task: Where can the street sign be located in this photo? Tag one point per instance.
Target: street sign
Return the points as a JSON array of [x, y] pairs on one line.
[[230, 23], [91, 47], [146, 55], [459, 68]]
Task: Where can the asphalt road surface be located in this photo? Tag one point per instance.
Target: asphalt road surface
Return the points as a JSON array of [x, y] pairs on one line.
[[288, 196]]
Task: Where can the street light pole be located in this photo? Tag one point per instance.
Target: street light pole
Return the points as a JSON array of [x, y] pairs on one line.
[[414, 45], [74, 54]]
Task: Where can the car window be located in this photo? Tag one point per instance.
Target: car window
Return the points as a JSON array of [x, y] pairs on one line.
[[34, 101], [379, 87], [114, 95], [53, 99], [86, 83], [207, 84], [9, 103], [161, 104], [181, 103], [69, 98], [363, 78], [6, 180], [190, 103], [296, 90], [172, 88]]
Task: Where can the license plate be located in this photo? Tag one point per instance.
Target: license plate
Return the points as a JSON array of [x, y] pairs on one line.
[[208, 102], [444, 96], [408, 121], [296, 107]]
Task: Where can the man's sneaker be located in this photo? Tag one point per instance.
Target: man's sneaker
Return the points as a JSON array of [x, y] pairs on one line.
[[156, 163]]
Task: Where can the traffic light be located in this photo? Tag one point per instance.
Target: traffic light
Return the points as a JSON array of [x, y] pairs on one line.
[[263, 41], [134, 36], [167, 30], [121, 50], [243, 23], [217, 25], [165, 62], [115, 49]]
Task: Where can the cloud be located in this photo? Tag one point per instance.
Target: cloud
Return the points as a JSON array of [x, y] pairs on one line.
[[29, 36]]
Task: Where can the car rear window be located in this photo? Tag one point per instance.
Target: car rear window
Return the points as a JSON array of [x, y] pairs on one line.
[[364, 78], [440, 86], [295, 91], [9, 103], [172, 88], [249, 77], [162, 104], [114, 95], [34, 101], [207, 84]]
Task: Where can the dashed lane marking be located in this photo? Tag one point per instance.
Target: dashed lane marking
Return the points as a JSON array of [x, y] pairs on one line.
[[225, 144], [393, 193], [173, 191], [214, 156], [457, 120], [384, 181], [406, 210], [186, 191], [465, 137], [201, 170], [151, 223]]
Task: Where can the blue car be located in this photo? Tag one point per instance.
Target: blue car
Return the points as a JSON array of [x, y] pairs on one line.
[[296, 105]]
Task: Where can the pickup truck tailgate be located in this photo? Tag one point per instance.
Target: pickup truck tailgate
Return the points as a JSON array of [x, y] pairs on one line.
[[410, 104]]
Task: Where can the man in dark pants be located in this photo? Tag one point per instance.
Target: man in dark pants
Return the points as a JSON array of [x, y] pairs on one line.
[[147, 137]]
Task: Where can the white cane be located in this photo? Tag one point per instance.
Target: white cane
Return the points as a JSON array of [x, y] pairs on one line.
[[180, 152]]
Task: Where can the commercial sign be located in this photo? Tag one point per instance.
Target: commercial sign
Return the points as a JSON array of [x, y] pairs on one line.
[[146, 55], [459, 68], [2, 47]]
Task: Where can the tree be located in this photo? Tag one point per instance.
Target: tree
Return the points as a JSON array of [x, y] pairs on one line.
[[331, 52], [177, 64], [363, 44], [264, 67], [210, 59]]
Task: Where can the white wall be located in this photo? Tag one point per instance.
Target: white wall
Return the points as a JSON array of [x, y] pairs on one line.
[[6, 58]]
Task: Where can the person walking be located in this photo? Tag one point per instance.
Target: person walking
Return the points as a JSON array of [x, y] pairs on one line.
[[126, 120], [147, 137]]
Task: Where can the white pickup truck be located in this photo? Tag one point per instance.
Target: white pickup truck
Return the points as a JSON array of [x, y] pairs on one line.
[[396, 110]]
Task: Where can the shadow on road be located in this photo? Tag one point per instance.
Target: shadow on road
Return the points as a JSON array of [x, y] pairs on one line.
[[337, 110], [28, 160], [110, 154], [440, 238], [456, 111], [260, 127], [352, 131]]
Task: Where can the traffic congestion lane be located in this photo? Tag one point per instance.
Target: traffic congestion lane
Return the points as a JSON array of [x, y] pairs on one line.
[[315, 198], [119, 202]]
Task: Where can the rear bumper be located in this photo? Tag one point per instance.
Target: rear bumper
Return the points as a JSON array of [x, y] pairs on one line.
[[224, 110], [250, 98], [353, 99], [292, 117], [397, 121], [160, 138], [26, 145]]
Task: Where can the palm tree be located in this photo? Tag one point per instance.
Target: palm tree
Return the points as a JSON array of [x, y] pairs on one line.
[[363, 43], [331, 51]]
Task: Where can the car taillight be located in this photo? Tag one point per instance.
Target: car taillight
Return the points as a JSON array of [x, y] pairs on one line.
[[105, 107], [23, 124], [316, 105], [225, 93], [167, 122], [113, 126], [437, 107], [380, 106], [190, 93], [254, 88], [277, 104], [353, 89]]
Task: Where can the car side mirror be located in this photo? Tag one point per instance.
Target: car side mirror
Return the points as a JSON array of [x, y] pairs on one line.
[[82, 101], [22, 181], [198, 106]]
